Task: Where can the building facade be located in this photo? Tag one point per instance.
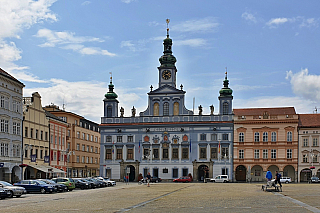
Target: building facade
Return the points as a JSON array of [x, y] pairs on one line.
[[11, 117], [265, 139], [167, 139], [58, 147], [82, 143], [309, 151]]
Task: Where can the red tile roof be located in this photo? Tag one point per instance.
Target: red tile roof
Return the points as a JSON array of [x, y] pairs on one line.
[[4, 73], [309, 120], [260, 111]]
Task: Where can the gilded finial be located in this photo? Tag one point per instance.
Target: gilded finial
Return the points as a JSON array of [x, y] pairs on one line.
[[110, 77], [168, 21]]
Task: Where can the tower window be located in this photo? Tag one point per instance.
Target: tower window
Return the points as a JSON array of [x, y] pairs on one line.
[[109, 111], [166, 109], [156, 109], [176, 108], [225, 109]]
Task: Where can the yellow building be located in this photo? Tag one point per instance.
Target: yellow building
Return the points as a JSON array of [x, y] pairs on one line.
[[36, 140]]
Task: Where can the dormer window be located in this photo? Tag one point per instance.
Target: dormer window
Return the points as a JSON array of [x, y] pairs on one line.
[[225, 110]]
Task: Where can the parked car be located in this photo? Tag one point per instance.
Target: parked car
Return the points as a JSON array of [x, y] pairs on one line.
[[35, 186], [99, 182], [156, 180], [3, 193], [66, 181], [58, 187], [106, 183], [12, 190], [110, 182], [183, 179], [93, 184], [220, 179], [314, 180], [81, 184], [285, 180]]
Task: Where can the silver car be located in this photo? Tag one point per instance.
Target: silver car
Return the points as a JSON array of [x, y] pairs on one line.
[[12, 190]]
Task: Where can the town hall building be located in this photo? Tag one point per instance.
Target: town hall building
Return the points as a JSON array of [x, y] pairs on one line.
[[167, 139]]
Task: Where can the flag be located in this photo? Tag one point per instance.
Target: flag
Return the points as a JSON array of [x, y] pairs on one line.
[[113, 147], [139, 146], [190, 145], [219, 148]]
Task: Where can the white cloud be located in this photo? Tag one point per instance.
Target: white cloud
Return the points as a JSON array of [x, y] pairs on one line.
[[302, 21], [249, 17], [128, 44], [85, 3], [127, 1], [305, 85], [301, 105], [87, 50], [196, 42], [26, 76], [208, 24], [58, 38], [16, 16]]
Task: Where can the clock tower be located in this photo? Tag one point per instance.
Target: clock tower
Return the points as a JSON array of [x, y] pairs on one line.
[[167, 69]]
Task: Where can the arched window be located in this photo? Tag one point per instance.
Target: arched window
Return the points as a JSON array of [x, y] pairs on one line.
[[176, 108], [265, 137], [225, 108], [166, 109], [241, 137], [109, 111], [289, 136], [155, 109], [273, 137]]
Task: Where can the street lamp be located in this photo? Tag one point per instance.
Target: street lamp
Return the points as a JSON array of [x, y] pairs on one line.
[[68, 158]]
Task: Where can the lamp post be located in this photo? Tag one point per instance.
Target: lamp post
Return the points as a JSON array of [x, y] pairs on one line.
[[68, 158]]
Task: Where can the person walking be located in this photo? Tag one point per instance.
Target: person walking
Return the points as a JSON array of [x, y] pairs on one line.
[[148, 179], [278, 177], [269, 175]]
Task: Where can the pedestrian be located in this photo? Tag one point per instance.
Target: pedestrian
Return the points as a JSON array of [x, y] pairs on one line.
[[269, 175], [278, 177], [148, 179]]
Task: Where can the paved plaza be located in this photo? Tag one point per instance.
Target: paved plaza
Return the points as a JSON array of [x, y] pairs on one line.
[[173, 197]]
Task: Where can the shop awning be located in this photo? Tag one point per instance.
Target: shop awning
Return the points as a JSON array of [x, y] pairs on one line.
[[47, 169]]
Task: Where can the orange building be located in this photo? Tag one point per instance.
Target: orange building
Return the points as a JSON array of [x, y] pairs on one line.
[[309, 151], [265, 139], [82, 141]]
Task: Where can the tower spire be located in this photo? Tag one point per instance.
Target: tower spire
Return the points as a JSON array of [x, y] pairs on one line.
[[168, 21], [167, 59]]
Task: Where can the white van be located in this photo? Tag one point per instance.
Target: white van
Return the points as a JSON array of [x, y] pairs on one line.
[[220, 179]]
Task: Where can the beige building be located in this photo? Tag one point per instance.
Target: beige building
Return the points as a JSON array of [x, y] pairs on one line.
[[309, 136], [265, 139], [36, 140], [83, 143]]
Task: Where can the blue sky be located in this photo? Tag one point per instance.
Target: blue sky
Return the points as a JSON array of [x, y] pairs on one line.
[[65, 50]]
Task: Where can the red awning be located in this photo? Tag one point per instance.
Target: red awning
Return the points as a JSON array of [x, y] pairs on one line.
[[312, 167], [23, 165]]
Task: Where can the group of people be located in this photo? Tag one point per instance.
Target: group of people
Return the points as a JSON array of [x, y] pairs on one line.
[[277, 177]]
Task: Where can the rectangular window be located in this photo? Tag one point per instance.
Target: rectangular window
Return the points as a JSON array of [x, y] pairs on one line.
[[91, 139], [305, 158], [37, 131], [82, 159], [256, 137], [225, 152], [241, 154], [55, 139], [41, 135], [289, 136], [241, 137], [145, 153], [289, 153], [96, 149], [315, 142], [203, 137], [214, 137], [225, 137], [88, 148], [41, 154], [108, 154], [185, 153], [96, 139], [265, 154], [78, 146], [256, 153], [119, 138], [175, 173], [68, 133], [165, 153], [155, 153], [305, 142], [83, 136], [78, 159], [78, 135], [184, 172], [130, 153], [88, 137], [83, 148], [119, 154], [31, 133], [130, 138], [224, 171], [26, 132], [214, 152], [314, 158], [273, 153], [273, 137], [46, 136], [91, 149], [175, 153], [265, 137], [203, 153], [109, 139]]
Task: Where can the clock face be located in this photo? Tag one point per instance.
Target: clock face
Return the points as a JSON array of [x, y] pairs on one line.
[[166, 74]]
